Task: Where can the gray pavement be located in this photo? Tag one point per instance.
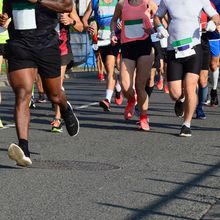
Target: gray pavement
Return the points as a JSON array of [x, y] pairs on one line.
[[111, 170]]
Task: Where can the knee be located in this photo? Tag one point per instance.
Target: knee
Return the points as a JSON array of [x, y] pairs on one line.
[[174, 95], [55, 98], [23, 96]]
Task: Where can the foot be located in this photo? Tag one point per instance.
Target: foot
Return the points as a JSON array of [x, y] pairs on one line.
[[71, 121], [144, 124], [20, 155], [105, 105], [185, 131], [32, 103], [160, 84], [179, 109], [56, 125], [41, 98], [165, 89], [200, 114], [101, 76], [118, 98], [129, 109], [214, 98]]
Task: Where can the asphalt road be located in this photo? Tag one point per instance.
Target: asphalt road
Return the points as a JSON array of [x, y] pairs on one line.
[[111, 170]]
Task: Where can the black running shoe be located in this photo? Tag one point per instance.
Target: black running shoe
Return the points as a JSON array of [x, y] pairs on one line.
[[19, 154], [185, 131], [32, 103], [179, 109], [214, 98], [71, 121]]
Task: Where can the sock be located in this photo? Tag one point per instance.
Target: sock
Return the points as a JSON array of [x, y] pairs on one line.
[[24, 146], [118, 86], [215, 75], [182, 100], [187, 124], [202, 93], [109, 94], [149, 90]]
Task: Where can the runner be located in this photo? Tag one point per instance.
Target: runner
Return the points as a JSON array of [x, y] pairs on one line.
[[136, 48], [103, 12], [214, 41], [67, 21], [33, 46], [184, 52]]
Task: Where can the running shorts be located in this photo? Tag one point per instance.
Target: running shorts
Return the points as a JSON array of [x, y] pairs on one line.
[[2, 50], [135, 49], [159, 54], [109, 50], [215, 47], [206, 55], [177, 68], [47, 60]]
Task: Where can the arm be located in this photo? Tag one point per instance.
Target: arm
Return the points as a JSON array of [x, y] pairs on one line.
[[61, 6], [116, 16], [87, 15]]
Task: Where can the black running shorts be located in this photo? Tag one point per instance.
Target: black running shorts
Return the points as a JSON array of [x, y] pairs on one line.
[[177, 68], [109, 50], [135, 49], [47, 60], [206, 52]]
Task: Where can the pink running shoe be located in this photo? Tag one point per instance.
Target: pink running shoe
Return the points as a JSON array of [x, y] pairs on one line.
[[129, 109], [160, 84], [144, 123], [166, 90], [101, 76], [118, 98], [105, 105]]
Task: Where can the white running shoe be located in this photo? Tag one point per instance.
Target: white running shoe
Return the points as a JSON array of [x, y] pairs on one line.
[[17, 154]]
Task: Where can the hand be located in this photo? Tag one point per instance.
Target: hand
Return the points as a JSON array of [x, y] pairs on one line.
[[162, 32], [210, 26], [65, 19], [3, 19], [91, 30], [114, 40]]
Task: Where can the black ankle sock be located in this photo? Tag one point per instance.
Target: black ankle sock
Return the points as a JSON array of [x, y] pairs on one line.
[[149, 90], [23, 144]]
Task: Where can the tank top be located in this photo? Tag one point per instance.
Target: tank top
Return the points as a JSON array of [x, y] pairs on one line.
[[103, 13], [3, 32], [32, 25], [134, 20]]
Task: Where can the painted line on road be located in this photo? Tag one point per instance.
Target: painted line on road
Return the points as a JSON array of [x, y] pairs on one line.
[[86, 106]]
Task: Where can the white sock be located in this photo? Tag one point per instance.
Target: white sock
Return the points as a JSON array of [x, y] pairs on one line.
[[187, 124], [183, 99], [109, 94], [215, 75], [118, 86]]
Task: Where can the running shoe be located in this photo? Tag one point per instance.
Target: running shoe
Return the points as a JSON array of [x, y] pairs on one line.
[[165, 89], [200, 114], [105, 105], [1, 124], [101, 76], [57, 125], [118, 98], [143, 123], [20, 154], [179, 109], [214, 98], [32, 103], [71, 121], [129, 109], [185, 131], [41, 98], [160, 84]]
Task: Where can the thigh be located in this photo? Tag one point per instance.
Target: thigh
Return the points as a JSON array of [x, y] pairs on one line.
[[22, 80], [52, 85]]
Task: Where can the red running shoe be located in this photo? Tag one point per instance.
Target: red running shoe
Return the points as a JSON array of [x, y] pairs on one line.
[[105, 105], [101, 76], [129, 109], [144, 123], [160, 84], [118, 98], [166, 90]]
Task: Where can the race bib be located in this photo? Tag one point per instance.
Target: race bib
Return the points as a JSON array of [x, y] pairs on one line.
[[134, 28], [104, 34], [183, 48], [24, 17]]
